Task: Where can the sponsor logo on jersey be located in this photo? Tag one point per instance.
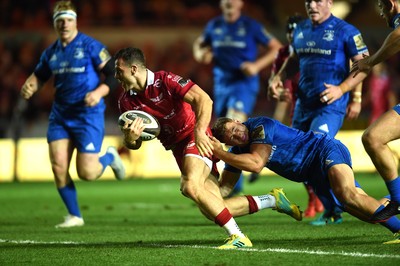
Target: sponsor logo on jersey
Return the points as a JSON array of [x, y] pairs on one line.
[[328, 35], [157, 83], [241, 31], [358, 40], [300, 36], [328, 162], [258, 133], [310, 43], [53, 57], [158, 98], [90, 147], [64, 64], [78, 53], [396, 22], [104, 55], [324, 128], [183, 82]]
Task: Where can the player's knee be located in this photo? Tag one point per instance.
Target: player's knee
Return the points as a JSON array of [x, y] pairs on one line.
[[189, 190], [87, 174], [369, 140]]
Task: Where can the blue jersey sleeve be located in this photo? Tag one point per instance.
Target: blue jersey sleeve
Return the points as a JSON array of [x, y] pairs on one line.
[[42, 70]]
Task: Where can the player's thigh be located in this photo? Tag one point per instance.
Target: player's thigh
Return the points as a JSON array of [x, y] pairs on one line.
[[341, 179], [195, 168], [385, 129]]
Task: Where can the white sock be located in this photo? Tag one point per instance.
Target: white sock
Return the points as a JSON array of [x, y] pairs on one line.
[[232, 228], [265, 201]]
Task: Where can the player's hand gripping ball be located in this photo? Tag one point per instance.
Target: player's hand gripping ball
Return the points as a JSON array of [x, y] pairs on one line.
[[152, 127]]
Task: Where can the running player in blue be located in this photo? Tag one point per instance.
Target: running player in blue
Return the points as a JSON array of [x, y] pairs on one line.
[[231, 42], [316, 158], [77, 115], [386, 128], [324, 45]]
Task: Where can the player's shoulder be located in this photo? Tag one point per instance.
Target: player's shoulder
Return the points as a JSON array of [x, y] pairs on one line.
[[343, 26], [87, 40], [171, 78]]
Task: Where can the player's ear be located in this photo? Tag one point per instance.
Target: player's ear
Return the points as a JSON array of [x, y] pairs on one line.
[[134, 69]]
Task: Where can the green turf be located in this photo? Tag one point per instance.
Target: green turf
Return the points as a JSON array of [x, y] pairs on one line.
[[148, 222]]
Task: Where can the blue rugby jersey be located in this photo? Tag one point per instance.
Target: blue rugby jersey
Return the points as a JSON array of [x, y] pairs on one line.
[[325, 52], [232, 44], [75, 70], [296, 155]]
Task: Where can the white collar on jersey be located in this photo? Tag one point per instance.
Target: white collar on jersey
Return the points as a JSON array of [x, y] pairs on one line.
[[150, 80], [150, 77]]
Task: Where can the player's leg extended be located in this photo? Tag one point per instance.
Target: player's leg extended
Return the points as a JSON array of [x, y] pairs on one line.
[[355, 202], [202, 188], [60, 152], [375, 140], [243, 205]]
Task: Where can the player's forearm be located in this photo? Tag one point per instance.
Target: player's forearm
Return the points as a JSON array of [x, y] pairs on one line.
[[203, 116], [390, 46], [352, 82], [243, 162]]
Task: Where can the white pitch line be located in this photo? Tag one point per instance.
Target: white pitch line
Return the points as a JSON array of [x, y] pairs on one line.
[[271, 250]]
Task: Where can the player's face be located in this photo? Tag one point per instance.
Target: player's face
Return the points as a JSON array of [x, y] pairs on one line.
[[66, 29], [231, 6], [123, 73], [236, 134], [384, 11], [318, 10]]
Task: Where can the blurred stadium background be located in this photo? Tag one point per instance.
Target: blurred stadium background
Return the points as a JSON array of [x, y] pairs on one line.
[[165, 30]]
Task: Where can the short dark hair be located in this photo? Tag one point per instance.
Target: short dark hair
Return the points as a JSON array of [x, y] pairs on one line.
[[131, 55], [218, 129]]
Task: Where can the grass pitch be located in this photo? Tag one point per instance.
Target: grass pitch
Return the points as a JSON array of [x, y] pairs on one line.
[[148, 222]]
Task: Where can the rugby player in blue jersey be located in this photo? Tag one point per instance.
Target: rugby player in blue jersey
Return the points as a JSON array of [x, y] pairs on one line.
[[386, 128], [77, 114], [315, 158], [324, 46], [232, 41]]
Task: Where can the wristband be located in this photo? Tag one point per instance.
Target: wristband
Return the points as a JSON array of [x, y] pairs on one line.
[[357, 99]]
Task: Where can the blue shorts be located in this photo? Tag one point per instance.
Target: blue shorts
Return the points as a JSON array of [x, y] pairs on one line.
[[240, 95], [332, 154], [323, 120], [86, 130]]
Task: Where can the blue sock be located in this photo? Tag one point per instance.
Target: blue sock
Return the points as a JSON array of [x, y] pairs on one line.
[[106, 160], [393, 224], [394, 189], [69, 197]]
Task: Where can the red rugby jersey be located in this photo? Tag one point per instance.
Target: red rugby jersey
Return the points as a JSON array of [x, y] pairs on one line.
[[163, 98]]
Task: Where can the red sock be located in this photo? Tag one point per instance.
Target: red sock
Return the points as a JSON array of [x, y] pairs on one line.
[[223, 217], [252, 204]]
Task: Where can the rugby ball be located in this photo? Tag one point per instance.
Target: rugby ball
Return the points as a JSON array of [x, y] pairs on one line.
[[152, 127]]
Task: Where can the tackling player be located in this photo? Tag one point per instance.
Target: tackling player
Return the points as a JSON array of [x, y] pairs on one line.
[[315, 158]]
